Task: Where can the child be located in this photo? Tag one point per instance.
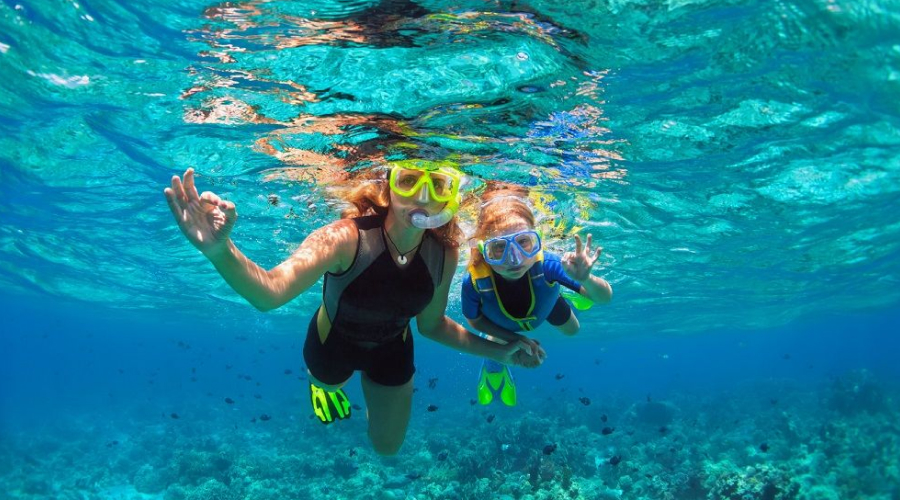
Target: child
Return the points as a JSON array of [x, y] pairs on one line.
[[513, 285]]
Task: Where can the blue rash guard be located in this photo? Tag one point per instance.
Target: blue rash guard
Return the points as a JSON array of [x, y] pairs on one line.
[[538, 290]]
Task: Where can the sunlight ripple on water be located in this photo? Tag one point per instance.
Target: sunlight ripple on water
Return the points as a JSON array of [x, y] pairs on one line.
[[737, 162]]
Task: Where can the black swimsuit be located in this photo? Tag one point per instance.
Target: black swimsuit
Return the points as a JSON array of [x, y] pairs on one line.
[[370, 306]]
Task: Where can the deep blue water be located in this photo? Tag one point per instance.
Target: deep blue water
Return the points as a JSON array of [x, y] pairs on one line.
[[737, 161]]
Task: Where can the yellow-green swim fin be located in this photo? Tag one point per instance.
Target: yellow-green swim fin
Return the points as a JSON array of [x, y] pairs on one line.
[[496, 380], [578, 301], [328, 405]]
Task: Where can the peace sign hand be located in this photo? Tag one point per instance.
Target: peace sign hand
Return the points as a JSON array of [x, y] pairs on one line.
[[206, 220], [578, 264]]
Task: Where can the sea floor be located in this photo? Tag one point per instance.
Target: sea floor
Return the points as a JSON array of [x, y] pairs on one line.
[[765, 441]]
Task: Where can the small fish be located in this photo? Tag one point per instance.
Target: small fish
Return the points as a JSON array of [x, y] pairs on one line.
[[585, 401], [604, 418], [253, 420], [264, 417], [112, 443], [229, 401], [606, 431], [193, 370], [764, 447], [560, 376], [596, 361], [257, 396], [227, 367], [432, 408], [174, 415], [786, 357], [273, 200], [443, 455], [549, 449], [663, 429], [773, 401], [472, 402], [413, 476], [248, 377], [288, 371], [530, 89], [490, 418], [352, 452], [356, 407], [432, 383], [615, 460], [649, 399]]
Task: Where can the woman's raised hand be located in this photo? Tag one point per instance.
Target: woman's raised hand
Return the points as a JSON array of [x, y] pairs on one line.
[[206, 220]]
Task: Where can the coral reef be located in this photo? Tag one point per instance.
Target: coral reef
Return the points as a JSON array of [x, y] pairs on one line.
[[741, 445], [857, 391], [763, 482]]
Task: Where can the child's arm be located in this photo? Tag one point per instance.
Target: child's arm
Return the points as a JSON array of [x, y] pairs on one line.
[[597, 289], [578, 265], [471, 309]]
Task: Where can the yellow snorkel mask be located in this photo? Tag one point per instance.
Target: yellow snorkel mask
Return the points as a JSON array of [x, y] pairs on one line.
[[439, 179]]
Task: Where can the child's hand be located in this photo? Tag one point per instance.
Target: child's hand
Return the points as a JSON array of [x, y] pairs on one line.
[[523, 359], [533, 347], [578, 264]]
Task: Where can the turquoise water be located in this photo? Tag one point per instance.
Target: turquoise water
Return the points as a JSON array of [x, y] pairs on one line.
[[738, 162]]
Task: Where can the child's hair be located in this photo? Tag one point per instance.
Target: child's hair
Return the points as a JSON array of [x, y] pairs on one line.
[[372, 196], [500, 203]]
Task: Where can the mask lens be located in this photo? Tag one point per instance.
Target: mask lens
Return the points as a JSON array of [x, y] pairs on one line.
[[405, 181], [528, 242], [444, 185], [494, 249]]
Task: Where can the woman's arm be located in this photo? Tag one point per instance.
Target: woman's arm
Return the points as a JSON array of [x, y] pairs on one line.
[[328, 249], [488, 327], [434, 324], [206, 221]]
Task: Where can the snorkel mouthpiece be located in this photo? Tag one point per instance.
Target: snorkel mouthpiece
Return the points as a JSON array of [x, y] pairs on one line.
[[423, 221]]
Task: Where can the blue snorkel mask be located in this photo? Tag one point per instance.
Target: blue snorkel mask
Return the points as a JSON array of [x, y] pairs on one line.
[[511, 248]]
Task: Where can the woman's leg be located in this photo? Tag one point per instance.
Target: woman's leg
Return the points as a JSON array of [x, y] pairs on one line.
[[323, 385], [389, 408]]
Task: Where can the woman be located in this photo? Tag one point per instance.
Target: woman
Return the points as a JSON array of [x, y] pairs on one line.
[[513, 285], [390, 258]]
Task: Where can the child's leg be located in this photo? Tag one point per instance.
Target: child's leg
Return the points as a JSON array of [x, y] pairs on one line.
[[563, 318], [571, 326]]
